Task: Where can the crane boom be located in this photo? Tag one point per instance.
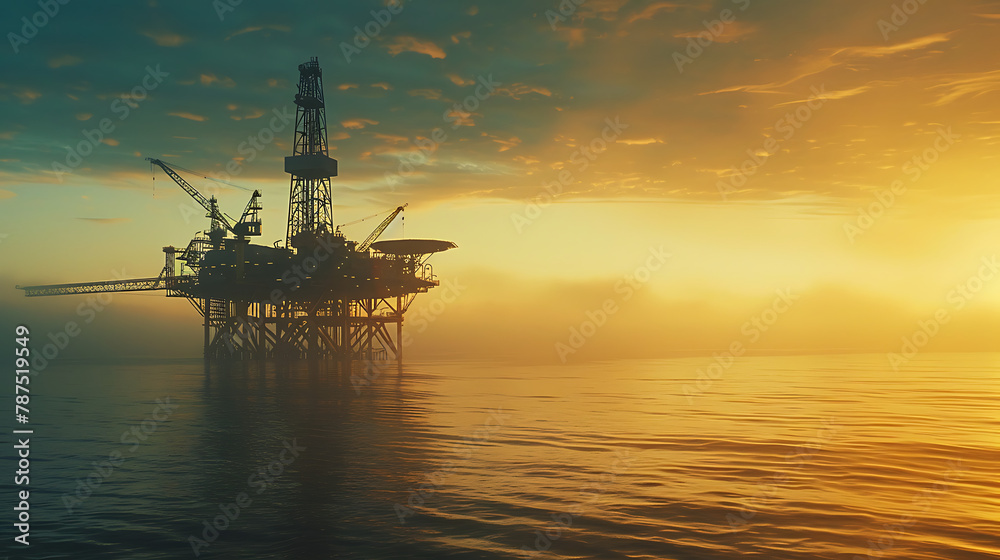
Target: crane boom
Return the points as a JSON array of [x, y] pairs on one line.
[[210, 205], [378, 231]]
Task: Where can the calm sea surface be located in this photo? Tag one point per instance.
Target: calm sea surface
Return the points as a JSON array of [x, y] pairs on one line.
[[776, 458]]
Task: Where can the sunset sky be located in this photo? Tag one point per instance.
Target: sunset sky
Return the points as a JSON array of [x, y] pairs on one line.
[[841, 151]]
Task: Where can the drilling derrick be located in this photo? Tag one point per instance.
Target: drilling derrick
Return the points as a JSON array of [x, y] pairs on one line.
[[310, 207], [320, 296]]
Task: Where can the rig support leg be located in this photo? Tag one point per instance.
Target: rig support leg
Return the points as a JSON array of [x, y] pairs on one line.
[[399, 334], [208, 325]]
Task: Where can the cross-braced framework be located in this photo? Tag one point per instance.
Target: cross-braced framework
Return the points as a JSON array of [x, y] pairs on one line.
[[310, 208], [341, 330]]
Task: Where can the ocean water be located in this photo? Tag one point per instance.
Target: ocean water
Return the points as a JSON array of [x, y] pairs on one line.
[[771, 457]]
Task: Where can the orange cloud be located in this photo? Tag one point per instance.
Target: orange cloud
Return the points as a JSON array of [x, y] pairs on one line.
[[391, 138], [188, 116], [425, 93], [519, 90], [460, 81], [357, 123], [28, 95], [834, 58], [253, 29], [253, 114], [640, 141], [731, 33], [65, 60], [406, 43], [574, 36], [210, 79], [969, 84], [460, 118], [166, 38], [508, 143], [651, 10]]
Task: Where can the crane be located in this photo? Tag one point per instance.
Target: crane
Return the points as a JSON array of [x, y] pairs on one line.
[[378, 231], [249, 223]]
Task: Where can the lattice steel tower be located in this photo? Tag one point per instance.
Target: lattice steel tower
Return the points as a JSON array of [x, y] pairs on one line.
[[310, 206]]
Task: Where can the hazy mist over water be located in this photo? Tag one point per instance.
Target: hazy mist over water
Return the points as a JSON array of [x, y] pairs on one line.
[[777, 457]]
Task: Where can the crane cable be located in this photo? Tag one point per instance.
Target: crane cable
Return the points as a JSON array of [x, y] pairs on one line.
[[203, 176]]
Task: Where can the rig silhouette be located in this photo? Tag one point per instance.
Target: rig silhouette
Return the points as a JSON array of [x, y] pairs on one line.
[[319, 296]]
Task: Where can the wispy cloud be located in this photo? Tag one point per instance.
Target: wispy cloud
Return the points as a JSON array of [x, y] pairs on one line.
[[963, 85], [811, 66], [426, 93], [827, 95], [460, 81], [28, 96], [731, 33], [64, 60], [354, 124], [519, 90], [651, 10], [166, 38], [253, 29], [639, 141], [188, 116], [406, 43], [212, 80], [106, 221]]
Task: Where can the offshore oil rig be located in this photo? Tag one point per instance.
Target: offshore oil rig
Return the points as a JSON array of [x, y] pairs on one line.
[[318, 296]]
